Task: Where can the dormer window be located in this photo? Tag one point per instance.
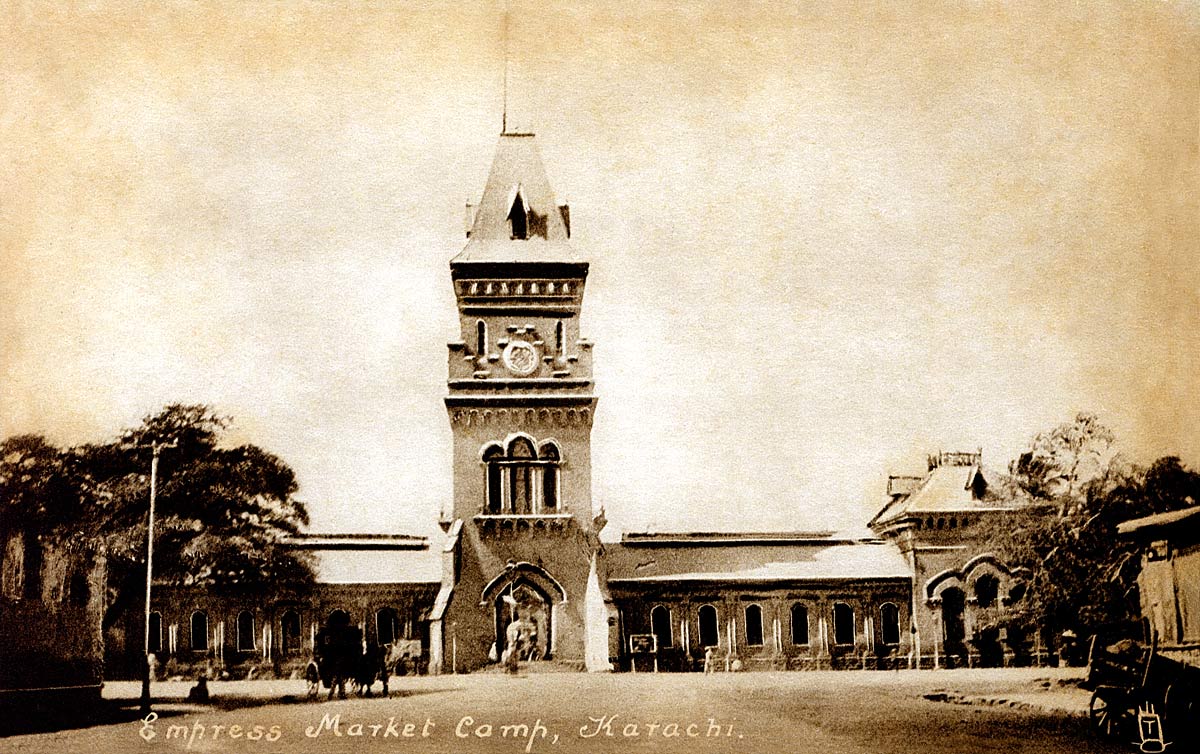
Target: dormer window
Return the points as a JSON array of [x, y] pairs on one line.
[[518, 219]]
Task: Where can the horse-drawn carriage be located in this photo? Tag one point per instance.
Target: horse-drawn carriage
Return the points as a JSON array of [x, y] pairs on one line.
[[341, 658], [349, 662], [1141, 696]]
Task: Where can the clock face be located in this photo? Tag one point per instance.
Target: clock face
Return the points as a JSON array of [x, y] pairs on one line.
[[520, 358]]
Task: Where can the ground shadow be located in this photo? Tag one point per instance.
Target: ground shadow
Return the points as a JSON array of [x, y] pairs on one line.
[[122, 711]]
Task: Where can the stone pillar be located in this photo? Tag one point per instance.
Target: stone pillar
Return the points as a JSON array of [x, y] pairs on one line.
[[435, 647]]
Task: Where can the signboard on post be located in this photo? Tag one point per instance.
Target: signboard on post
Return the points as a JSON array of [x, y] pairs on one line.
[[642, 644]]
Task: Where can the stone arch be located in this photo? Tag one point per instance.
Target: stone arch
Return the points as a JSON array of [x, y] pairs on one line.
[[523, 571], [523, 598], [985, 561], [511, 441], [949, 578]]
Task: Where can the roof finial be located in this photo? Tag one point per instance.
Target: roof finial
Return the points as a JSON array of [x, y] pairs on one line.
[[504, 108]]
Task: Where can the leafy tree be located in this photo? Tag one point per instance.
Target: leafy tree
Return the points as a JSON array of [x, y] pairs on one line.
[[1062, 461], [36, 488], [1081, 574], [45, 493], [221, 512]]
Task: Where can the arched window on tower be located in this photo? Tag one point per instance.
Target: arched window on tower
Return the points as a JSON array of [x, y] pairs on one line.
[[481, 343], [492, 458], [523, 480], [520, 481], [550, 457], [560, 338], [518, 220]]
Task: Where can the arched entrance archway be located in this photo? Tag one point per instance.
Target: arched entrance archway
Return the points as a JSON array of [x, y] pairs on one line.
[[953, 628], [522, 598], [337, 618], [523, 615]]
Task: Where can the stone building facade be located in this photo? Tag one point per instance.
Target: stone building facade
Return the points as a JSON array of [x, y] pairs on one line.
[[522, 535], [385, 584], [51, 609], [521, 570], [941, 522], [521, 403], [769, 601]]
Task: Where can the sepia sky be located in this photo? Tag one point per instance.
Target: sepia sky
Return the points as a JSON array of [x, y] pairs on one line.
[[826, 238]]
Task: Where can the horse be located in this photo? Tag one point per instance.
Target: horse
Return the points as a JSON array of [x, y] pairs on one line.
[[338, 656], [370, 665]]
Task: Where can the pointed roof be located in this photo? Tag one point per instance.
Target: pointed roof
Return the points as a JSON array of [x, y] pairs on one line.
[[517, 171], [947, 488]]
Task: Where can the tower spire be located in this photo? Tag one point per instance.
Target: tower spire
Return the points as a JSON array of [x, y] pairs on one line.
[[504, 107]]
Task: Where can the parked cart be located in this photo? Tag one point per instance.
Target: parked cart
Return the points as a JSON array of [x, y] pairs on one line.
[[1141, 696]]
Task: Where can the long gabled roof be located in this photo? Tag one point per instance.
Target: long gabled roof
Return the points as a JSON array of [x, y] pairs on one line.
[[751, 558], [517, 170], [371, 558]]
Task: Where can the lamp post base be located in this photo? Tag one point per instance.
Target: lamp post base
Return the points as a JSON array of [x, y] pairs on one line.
[[145, 702]]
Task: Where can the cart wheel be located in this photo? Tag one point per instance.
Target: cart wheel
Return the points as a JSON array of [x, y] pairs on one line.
[[1110, 712], [312, 678]]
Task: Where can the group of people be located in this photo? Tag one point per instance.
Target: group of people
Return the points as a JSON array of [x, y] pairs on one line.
[[340, 656]]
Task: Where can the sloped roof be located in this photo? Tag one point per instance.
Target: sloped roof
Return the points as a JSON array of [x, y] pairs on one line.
[[1158, 521], [750, 559], [947, 488], [517, 169], [371, 558]]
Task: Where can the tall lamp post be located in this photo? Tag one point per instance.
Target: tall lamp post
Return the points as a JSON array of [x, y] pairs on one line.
[[155, 448]]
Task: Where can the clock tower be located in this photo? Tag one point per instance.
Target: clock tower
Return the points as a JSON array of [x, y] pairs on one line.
[[520, 404]]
